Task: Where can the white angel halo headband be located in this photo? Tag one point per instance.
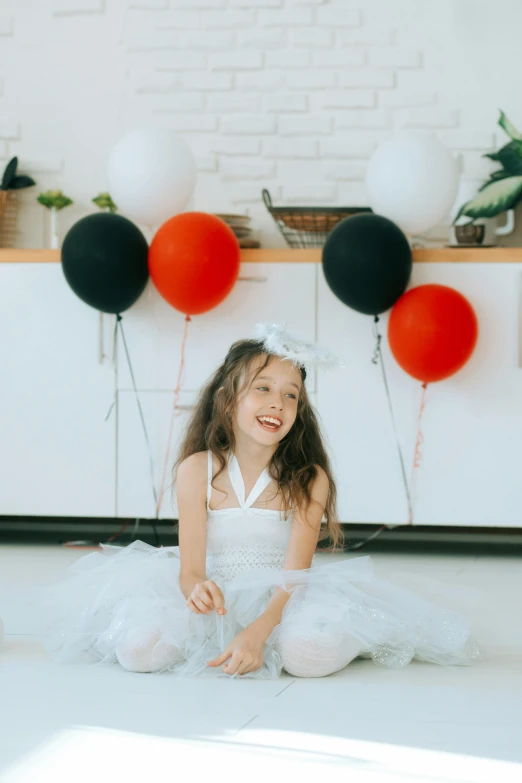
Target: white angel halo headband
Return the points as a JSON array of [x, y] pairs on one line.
[[278, 340]]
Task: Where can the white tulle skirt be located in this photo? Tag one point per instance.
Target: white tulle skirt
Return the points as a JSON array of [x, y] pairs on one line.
[[131, 595]]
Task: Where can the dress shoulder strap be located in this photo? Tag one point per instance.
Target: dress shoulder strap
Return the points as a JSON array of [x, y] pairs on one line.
[[209, 482]]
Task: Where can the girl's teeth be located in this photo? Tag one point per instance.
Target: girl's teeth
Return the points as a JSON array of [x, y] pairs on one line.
[[269, 424]]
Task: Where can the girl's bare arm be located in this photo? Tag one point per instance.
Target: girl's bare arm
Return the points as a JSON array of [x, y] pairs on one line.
[[306, 527], [191, 491]]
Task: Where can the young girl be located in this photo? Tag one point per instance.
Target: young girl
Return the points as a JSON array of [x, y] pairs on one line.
[[241, 596]]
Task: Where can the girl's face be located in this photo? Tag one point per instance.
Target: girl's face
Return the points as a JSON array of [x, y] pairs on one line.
[[267, 409]]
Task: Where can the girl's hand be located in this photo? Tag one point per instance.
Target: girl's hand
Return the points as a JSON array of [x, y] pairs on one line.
[[244, 654], [205, 597]]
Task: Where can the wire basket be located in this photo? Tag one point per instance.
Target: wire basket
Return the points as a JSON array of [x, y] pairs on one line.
[[8, 217], [308, 226]]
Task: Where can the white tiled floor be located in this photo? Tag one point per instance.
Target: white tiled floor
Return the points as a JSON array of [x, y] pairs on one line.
[[419, 723]]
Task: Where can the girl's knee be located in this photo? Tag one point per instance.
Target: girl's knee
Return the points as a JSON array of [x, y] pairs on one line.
[[317, 654], [149, 657]]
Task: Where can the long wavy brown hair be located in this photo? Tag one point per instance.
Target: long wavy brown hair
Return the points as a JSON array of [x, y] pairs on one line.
[[293, 465]]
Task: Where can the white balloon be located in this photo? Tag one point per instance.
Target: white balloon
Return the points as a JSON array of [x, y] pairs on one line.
[[412, 179], [151, 174]]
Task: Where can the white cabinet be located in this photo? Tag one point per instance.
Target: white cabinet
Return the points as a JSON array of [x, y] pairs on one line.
[[61, 458], [135, 492], [470, 473], [154, 330], [58, 452]]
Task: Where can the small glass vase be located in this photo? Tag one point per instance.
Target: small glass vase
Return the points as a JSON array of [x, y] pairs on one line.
[[54, 239]]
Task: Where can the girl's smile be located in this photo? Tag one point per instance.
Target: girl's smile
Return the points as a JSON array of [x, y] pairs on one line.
[[270, 423]]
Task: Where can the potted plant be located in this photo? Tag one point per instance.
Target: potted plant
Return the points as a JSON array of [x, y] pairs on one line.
[[10, 184], [503, 190], [54, 200], [105, 202]]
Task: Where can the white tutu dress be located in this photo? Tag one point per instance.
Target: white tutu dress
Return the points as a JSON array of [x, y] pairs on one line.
[[125, 604]]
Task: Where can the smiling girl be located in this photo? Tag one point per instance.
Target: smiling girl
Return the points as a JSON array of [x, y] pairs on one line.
[[242, 595]]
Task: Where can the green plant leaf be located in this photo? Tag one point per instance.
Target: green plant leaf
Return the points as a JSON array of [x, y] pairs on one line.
[[64, 201], [54, 199], [104, 201], [17, 183], [508, 127], [9, 173], [493, 199], [44, 199], [495, 177], [509, 156]]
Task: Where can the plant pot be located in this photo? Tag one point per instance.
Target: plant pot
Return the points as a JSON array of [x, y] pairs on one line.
[[8, 217], [470, 234]]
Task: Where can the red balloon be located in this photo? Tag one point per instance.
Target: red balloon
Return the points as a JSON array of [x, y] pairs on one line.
[[432, 332], [194, 261]]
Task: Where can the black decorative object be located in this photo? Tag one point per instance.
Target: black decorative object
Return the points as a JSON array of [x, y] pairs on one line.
[[105, 261], [367, 263], [13, 181]]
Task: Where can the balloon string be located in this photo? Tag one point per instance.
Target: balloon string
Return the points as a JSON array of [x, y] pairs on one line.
[[378, 338], [417, 457], [142, 417], [417, 454], [175, 412], [378, 359], [115, 365]]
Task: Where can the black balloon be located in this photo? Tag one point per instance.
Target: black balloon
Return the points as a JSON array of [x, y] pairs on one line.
[[105, 261], [367, 263]]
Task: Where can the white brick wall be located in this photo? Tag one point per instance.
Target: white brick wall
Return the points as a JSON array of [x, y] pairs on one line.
[[6, 25], [292, 95]]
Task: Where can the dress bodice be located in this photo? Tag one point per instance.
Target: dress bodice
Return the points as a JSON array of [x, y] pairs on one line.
[[244, 538]]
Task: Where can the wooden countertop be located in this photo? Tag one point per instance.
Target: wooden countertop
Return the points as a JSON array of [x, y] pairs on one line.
[[430, 255]]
